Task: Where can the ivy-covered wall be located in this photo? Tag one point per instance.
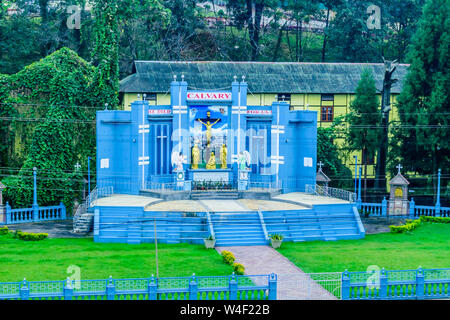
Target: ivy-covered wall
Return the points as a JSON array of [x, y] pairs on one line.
[[52, 103]]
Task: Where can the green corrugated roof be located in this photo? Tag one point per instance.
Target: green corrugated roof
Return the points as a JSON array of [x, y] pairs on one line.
[[262, 77]]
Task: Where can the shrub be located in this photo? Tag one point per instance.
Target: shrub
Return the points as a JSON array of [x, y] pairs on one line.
[[435, 219], [228, 257], [4, 230], [409, 226], [28, 236], [238, 268]]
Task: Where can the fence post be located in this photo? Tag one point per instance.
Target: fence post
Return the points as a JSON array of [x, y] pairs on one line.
[[8, 213], [383, 284], [273, 286], [110, 289], [420, 284], [384, 207], [345, 285], [63, 211], [152, 288], [233, 286], [68, 289], [24, 290], [412, 206], [193, 289]]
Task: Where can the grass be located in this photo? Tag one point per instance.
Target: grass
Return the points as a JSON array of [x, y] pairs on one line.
[[50, 259], [428, 246]]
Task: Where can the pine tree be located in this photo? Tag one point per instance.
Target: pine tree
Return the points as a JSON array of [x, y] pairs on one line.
[[421, 141], [363, 121]]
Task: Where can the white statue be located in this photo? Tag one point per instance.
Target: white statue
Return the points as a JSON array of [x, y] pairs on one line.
[[177, 161]]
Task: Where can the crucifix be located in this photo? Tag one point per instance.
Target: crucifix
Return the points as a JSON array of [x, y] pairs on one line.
[[399, 167]]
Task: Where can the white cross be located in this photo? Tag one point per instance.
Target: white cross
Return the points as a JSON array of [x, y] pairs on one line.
[[77, 166], [320, 165], [399, 167]]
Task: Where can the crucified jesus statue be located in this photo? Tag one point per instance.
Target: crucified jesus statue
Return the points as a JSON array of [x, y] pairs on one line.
[[208, 126]]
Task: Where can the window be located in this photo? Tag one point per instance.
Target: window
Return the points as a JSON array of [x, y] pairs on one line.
[[327, 107], [326, 113], [284, 97], [149, 96]]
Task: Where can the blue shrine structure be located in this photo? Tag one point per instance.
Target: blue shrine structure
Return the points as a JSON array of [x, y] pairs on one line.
[[208, 164]]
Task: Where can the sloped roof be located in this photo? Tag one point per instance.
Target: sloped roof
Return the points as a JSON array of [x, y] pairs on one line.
[[399, 179], [262, 77], [322, 177]]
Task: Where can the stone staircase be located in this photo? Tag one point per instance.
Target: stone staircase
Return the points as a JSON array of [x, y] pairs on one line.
[[215, 194], [85, 223], [238, 229]]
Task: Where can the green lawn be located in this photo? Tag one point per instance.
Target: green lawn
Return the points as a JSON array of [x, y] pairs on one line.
[[428, 246], [49, 259]]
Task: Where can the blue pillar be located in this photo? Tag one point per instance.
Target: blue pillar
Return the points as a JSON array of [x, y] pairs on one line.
[[358, 202], [383, 284], [420, 284], [89, 181], [345, 285], [356, 171], [438, 198], [233, 287], [412, 205], [384, 207], [35, 206], [110, 289], [68, 290], [8, 213], [24, 290], [152, 289], [273, 287], [63, 211], [193, 289]]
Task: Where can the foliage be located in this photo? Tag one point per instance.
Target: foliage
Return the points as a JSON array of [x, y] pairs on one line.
[[238, 268], [420, 140], [330, 156], [408, 227], [228, 257], [4, 230], [276, 237], [28, 236], [435, 219], [55, 87]]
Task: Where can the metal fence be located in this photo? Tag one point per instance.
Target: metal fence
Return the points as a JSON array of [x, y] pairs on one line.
[[252, 287], [412, 210], [331, 192], [34, 214]]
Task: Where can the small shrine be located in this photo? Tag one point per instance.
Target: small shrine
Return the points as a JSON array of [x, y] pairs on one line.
[[398, 199], [321, 178]]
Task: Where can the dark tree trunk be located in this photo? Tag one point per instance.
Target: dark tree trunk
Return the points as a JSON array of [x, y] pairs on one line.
[[325, 37]]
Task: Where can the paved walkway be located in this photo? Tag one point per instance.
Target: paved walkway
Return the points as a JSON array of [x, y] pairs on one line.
[[55, 229], [293, 283]]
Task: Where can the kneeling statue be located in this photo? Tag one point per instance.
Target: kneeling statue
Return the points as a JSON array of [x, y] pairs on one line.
[[211, 162]]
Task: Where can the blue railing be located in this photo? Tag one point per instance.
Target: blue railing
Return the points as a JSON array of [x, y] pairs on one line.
[[382, 209], [34, 214], [257, 287], [396, 285]]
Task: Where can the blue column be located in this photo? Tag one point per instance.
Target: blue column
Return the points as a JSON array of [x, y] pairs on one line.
[[68, 290], [358, 202], [63, 211], [110, 289], [24, 290], [35, 204], [438, 198], [89, 181], [383, 284], [384, 207], [345, 285], [232, 287], [8, 213], [412, 205], [193, 289], [273, 287], [420, 284], [356, 171], [152, 288]]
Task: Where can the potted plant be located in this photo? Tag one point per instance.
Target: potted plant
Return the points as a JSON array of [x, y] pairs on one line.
[[210, 242], [276, 240]]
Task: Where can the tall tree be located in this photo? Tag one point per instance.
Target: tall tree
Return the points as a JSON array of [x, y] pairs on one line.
[[421, 140], [105, 54], [330, 6], [363, 121]]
